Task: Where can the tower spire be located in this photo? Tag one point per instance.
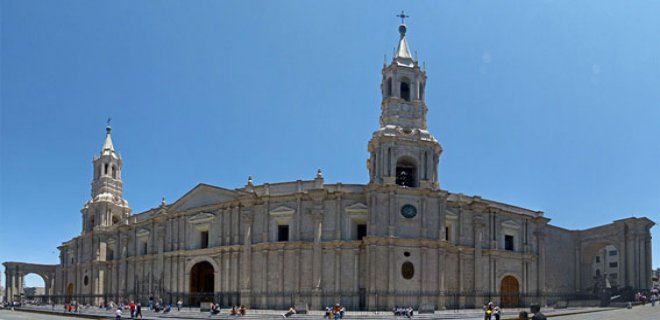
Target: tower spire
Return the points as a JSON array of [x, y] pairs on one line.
[[402, 55], [108, 147]]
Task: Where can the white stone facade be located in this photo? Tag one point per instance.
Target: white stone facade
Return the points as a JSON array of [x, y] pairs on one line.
[[398, 240]]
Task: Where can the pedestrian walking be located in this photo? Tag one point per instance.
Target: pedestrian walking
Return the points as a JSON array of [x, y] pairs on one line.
[[138, 311]]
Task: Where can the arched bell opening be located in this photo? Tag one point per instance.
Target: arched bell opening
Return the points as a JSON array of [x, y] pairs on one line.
[[406, 172]]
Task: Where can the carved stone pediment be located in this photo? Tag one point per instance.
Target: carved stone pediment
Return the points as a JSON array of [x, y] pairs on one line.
[[282, 211], [203, 195], [143, 233], [510, 224], [357, 209], [202, 217]]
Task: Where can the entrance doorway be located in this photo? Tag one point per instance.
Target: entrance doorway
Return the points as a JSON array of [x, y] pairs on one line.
[[69, 292], [201, 283], [510, 292]]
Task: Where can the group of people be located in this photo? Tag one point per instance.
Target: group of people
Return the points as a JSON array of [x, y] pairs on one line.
[[234, 311], [536, 310], [71, 307], [403, 311], [493, 312], [653, 297], [336, 312]]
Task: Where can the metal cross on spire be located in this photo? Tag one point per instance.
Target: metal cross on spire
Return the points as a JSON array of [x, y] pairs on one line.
[[108, 122], [403, 17]]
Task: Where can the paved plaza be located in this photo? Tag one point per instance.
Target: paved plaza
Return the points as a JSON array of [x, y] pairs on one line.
[[637, 313]]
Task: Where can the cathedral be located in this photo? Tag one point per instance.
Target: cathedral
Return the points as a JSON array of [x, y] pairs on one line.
[[398, 240]]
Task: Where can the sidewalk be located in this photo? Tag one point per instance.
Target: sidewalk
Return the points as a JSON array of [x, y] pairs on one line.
[[190, 313]]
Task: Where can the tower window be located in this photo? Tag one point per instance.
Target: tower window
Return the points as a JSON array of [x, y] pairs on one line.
[[145, 248], [421, 91], [614, 264], [114, 172], [405, 90], [283, 232], [597, 259], [204, 239], [361, 231], [406, 173], [109, 254], [105, 169], [508, 242], [447, 230], [388, 87]]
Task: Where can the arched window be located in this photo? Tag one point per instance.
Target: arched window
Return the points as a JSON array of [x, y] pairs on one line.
[[105, 169], [405, 89], [406, 172], [114, 172], [388, 87]]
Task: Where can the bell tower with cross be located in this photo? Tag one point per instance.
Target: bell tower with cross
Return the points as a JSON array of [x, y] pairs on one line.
[[107, 206], [403, 151]]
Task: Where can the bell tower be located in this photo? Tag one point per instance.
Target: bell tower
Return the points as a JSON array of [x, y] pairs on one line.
[[403, 151], [107, 206]]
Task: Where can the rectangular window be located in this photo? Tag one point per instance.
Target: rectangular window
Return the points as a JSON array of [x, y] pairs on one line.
[[204, 240], [447, 233], [613, 253], [614, 264], [508, 242], [361, 231], [283, 232], [597, 259], [144, 248], [109, 254]]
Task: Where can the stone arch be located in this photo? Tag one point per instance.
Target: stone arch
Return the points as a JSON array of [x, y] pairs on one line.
[[15, 273], [593, 259], [36, 296], [198, 271], [407, 171], [509, 288]]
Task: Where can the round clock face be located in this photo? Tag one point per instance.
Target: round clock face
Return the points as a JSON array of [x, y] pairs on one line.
[[409, 211]]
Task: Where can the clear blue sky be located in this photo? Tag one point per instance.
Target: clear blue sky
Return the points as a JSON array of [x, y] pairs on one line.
[[548, 105]]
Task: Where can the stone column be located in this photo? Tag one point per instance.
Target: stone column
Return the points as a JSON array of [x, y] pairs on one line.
[[477, 226], [391, 213], [630, 261], [442, 267], [390, 276], [371, 277], [461, 274], [246, 258], [337, 276], [356, 278], [648, 268], [317, 258], [578, 268], [540, 286], [9, 283]]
